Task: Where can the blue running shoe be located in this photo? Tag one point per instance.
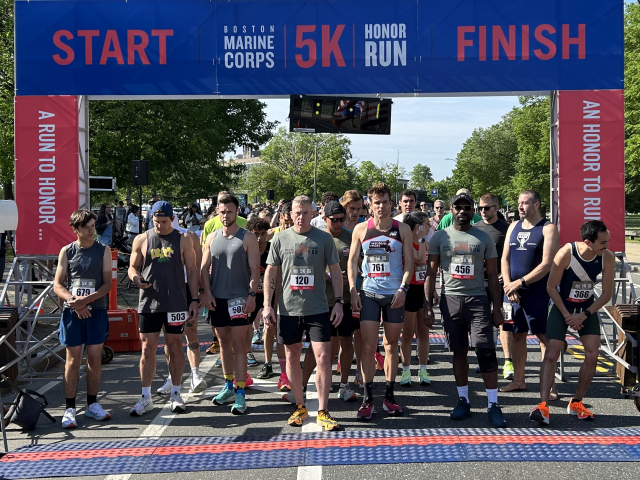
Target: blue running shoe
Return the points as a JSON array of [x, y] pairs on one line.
[[462, 410], [240, 405], [496, 417], [226, 395]]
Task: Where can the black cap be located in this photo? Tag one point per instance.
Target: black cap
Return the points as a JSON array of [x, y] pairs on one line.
[[462, 196], [333, 208]]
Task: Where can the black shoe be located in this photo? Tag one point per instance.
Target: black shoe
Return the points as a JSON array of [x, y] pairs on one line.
[[462, 410], [265, 372], [496, 417]]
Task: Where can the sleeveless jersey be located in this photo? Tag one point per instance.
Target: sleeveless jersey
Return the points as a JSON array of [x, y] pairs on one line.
[[84, 271], [525, 250], [229, 266], [576, 285], [382, 266], [419, 271], [162, 267]]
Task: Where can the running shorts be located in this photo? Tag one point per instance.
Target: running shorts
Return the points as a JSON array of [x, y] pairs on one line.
[[74, 331], [291, 328], [348, 325], [557, 327], [373, 304], [220, 316], [415, 298], [153, 322], [463, 315], [530, 315]]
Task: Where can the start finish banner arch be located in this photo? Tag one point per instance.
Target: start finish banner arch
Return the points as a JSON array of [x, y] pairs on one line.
[[269, 48]]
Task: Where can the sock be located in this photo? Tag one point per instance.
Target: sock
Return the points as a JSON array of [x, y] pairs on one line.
[[343, 385], [267, 363], [91, 399], [146, 392], [576, 400], [507, 359], [175, 390], [228, 380], [388, 394], [71, 402], [368, 392], [492, 396], [195, 372], [423, 367], [283, 365], [464, 392], [241, 385], [407, 368], [304, 389], [240, 391]]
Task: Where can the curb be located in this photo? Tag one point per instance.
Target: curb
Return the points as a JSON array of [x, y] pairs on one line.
[[45, 361]]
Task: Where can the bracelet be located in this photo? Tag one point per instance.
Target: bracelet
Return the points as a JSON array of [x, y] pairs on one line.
[[403, 289]]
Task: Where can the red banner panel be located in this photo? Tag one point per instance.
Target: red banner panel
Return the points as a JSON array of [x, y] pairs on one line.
[[46, 172], [591, 163]]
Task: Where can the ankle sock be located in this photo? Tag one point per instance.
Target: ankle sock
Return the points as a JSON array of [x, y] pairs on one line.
[[423, 367], [175, 390], [388, 394], [228, 380], [492, 396], [368, 392], [407, 368], [464, 392], [70, 402], [91, 399], [146, 392]]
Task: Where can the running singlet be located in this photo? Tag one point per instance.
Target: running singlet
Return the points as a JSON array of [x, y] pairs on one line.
[[419, 271], [84, 271], [229, 266], [576, 285], [525, 250], [382, 266]]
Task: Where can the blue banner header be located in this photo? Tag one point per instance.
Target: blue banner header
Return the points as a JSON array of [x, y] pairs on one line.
[[282, 47]]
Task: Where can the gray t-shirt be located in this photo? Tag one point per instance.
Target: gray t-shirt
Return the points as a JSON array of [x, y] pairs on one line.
[[462, 256], [303, 258]]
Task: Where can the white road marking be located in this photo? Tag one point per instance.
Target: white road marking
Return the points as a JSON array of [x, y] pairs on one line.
[[45, 388], [311, 472]]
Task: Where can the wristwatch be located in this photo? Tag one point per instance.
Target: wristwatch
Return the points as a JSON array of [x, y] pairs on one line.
[[405, 286], [195, 300], [252, 294], [339, 300], [422, 240], [201, 291], [524, 284]]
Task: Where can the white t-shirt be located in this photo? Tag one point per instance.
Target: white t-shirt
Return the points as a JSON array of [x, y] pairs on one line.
[[318, 222], [133, 224]]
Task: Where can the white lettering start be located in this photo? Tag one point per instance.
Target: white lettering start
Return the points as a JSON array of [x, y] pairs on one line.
[[47, 164], [591, 159]]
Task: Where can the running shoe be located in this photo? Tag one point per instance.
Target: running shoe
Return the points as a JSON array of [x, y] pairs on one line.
[[248, 381], [214, 348], [298, 417], [96, 412], [283, 383], [142, 406], [289, 397], [326, 421], [265, 372], [379, 361], [166, 388], [251, 360], [540, 414], [240, 405], [256, 339], [425, 379], [177, 404], [366, 411], [226, 395], [69, 418], [347, 394], [197, 384], [507, 370], [405, 380], [495, 416], [358, 381], [577, 408], [391, 407], [218, 363], [462, 410]]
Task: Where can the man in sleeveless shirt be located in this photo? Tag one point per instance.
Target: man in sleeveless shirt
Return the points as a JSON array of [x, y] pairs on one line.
[[82, 281], [384, 243], [533, 242], [158, 259], [465, 253], [575, 269], [231, 253], [303, 253]]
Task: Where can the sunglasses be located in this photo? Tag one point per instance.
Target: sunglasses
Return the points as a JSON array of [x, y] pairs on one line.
[[438, 208], [337, 220], [466, 208], [486, 207]]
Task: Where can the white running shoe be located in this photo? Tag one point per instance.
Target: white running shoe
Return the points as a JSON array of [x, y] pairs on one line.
[[166, 388], [69, 418], [347, 394], [96, 412], [197, 384], [144, 405], [177, 404]]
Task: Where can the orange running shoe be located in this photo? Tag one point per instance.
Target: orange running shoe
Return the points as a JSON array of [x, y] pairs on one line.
[[577, 408], [540, 414]]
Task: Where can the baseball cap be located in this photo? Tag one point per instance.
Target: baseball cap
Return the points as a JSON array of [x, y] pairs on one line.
[[462, 196], [162, 209], [333, 208]]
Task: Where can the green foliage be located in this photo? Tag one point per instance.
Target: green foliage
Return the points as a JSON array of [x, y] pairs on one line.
[[6, 97], [369, 174], [420, 177], [184, 140], [632, 106]]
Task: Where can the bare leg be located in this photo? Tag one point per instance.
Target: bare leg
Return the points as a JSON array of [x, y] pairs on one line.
[[519, 356], [505, 340], [369, 331], [148, 359], [588, 369], [461, 367], [391, 336], [94, 368], [346, 355], [322, 352], [239, 336], [294, 372], [267, 338], [72, 371], [423, 340], [176, 366], [193, 350], [408, 330], [548, 367], [357, 347], [226, 350]]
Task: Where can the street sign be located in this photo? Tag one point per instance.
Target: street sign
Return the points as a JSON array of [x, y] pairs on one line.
[[434, 192]]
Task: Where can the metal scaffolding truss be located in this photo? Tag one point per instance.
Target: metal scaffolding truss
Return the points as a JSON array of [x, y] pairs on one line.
[[83, 151]]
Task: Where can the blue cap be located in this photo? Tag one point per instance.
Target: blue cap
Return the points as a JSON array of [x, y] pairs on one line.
[[162, 209]]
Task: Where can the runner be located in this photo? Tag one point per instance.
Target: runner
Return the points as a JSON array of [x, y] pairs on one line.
[[439, 208], [533, 242], [303, 253], [497, 229], [464, 253], [230, 253], [158, 259], [384, 242], [414, 304], [197, 382], [82, 281], [575, 269], [407, 204], [318, 221], [447, 220]]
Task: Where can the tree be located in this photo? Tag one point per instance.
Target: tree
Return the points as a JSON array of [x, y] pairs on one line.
[[184, 140], [420, 177], [6, 97], [369, 174], [632, 106]]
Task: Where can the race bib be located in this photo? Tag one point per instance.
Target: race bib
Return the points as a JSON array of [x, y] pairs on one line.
[[378, 265], [580, 292], [355, 314], [261, 284], [345, 251], [81, 287], [507, 312], [420, 273], [302, 278], [236, 308], [462, 267], [175, 319]]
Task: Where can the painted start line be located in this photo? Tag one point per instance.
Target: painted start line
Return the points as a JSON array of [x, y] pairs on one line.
[[190, 454]]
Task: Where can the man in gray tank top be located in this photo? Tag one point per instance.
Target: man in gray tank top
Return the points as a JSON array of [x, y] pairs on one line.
[[230, 253], [158, 259], [82, 281]]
